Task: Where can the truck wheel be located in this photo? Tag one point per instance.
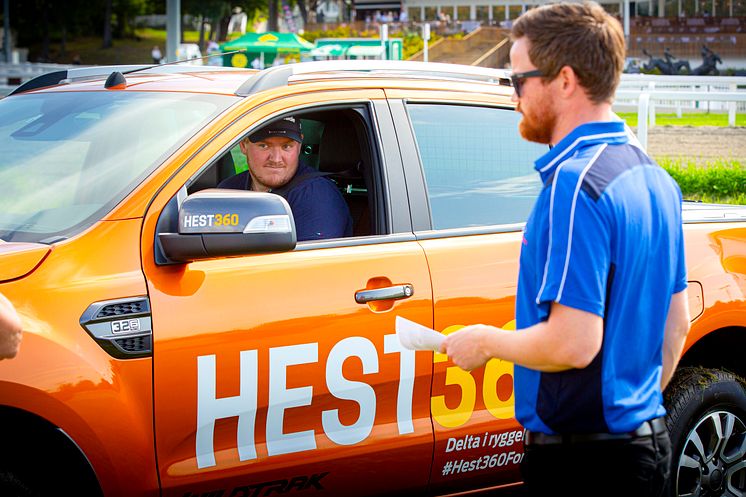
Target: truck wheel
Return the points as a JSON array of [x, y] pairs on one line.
[[12, 486], [707, 423]]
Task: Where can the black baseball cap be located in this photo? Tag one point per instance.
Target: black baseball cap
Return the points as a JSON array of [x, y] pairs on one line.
[[288, 127]]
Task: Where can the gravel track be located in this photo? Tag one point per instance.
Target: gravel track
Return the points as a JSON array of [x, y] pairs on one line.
[[700, 143]]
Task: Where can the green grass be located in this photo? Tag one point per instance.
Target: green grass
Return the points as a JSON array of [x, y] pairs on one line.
[[738, 199], [125, 51], [691, 119], [160, 35], [717, 181]]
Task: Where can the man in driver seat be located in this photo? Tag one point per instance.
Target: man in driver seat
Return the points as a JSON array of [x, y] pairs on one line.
[[272, 154]]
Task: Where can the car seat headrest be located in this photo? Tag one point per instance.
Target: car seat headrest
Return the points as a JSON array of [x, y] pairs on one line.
[[339, 150]]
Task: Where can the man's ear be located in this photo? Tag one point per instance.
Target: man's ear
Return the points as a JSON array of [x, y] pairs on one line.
[[244, 146], [567, 81]]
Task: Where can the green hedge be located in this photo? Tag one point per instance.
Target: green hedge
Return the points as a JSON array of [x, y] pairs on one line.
[[688, 118], [342, 31], [718, 181]]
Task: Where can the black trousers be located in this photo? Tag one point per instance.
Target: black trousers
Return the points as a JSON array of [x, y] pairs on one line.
[[638, 467]]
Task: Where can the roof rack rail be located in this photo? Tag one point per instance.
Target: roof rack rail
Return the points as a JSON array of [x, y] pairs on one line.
[[69, 75], [274, 77], [94, 72]]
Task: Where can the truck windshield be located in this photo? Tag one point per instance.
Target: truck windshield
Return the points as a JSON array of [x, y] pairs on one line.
[[66, 159]]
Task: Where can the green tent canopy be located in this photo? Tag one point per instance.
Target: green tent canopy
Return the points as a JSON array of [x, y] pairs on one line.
[[264, 47], [269, 42]]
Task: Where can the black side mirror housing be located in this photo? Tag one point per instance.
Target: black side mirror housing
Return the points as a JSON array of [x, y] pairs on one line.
[[219, 222]]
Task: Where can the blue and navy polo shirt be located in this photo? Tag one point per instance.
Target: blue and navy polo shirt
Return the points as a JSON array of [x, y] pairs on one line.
[[319, 211], [605, 237]]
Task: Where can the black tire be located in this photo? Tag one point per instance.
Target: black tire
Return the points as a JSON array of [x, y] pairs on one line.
[[707, 423], [12, 486], [40, 460]]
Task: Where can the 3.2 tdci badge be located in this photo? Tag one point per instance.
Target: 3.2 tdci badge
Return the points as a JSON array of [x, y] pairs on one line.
[[125, 326]]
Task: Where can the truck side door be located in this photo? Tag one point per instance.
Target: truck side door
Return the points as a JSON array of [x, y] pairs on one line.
[[479, 187], [269, 376]]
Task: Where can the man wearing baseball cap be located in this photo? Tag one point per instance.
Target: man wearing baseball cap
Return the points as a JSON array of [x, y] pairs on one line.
[[272, 154]]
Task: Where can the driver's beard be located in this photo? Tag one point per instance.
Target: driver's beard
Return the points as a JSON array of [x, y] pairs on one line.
[[538, 126]]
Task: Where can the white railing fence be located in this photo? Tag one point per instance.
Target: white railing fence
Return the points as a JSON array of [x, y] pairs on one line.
[[649, 92], [646, 100], [705, 84]]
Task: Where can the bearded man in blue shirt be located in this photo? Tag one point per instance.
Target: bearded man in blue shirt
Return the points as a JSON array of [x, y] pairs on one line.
[[601, 306]]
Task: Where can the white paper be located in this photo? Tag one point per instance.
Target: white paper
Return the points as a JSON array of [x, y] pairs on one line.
[[414, 336]]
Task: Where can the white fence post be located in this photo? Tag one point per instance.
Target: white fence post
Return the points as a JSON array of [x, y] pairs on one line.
[[642, 119], [732, 107], [651, 87]]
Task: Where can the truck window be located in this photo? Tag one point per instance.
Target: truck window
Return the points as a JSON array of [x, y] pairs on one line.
[[478, 169], [67, 158], [336, 142]]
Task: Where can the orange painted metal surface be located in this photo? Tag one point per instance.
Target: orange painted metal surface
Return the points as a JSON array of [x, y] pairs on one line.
[[19, 259], [477, 440], [64, 377], [716, 259], [297, 307]]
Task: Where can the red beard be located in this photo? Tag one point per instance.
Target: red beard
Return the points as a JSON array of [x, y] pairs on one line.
[[537, 126]]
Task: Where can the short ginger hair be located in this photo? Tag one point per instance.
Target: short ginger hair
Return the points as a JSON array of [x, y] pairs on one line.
[[580, 35]]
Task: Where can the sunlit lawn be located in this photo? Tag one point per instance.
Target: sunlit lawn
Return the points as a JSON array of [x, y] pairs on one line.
[[125, 51], [159, 35], [690, 119]]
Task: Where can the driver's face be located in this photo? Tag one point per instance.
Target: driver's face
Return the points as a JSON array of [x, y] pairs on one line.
[[272, 161]]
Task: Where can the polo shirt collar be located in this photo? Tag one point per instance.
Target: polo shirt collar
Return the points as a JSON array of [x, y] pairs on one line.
[[611, 132]]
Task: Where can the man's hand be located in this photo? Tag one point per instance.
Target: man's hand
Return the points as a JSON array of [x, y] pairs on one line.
[[569, 339], [10, 329], [468, 347]]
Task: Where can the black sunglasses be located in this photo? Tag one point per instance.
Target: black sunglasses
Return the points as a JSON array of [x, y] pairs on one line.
[[520, 77]]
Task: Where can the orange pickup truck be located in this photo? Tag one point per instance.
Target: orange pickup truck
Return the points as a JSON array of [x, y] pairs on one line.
[[179, 341]]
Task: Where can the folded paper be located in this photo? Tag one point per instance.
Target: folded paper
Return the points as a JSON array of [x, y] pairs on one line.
[[414, 336]]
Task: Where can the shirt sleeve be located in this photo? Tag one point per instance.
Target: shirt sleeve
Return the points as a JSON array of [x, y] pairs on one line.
[[319, 211], [579, 248]]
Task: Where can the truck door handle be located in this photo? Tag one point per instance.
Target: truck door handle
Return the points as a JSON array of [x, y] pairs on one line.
[[396, 292]]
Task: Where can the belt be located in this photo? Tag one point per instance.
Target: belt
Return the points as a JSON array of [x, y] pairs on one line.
[[646, 429]]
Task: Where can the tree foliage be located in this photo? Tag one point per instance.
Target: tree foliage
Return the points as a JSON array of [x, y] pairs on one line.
[[48, 21], [40, 23]]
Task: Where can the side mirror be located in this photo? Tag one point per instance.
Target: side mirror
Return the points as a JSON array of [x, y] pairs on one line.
[[218, 222]]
